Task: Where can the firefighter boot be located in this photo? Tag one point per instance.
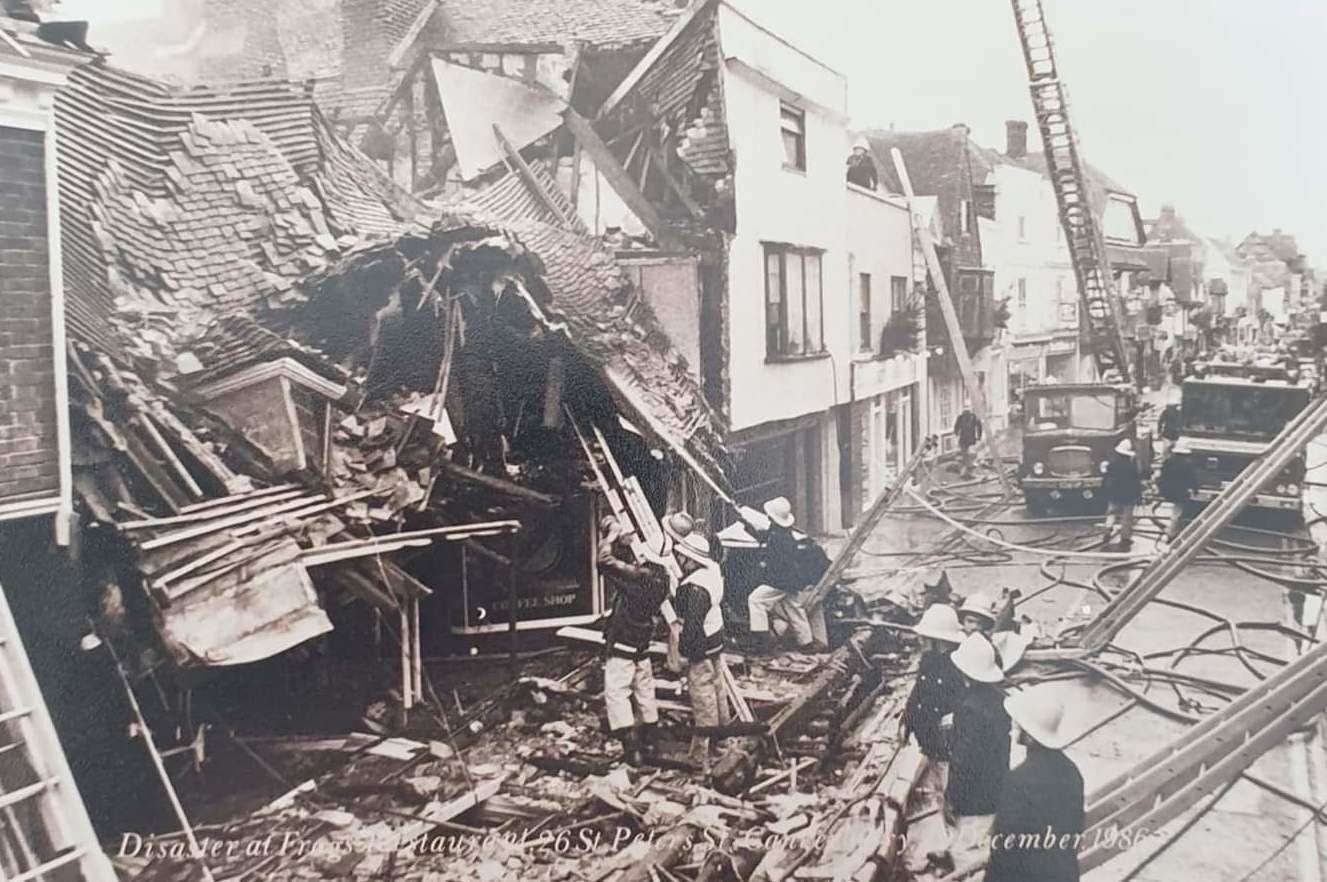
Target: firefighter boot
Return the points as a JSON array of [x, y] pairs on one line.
[[648, 739], [630, 746]]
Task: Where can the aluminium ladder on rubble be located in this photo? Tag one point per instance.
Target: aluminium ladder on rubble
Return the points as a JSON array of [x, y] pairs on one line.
[[1065, 169], [1121, 608], [1204, 759], [45, 832]]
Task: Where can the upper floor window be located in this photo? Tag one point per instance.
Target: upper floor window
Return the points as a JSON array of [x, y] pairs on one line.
[[964, 216], [898, 293], [864, 342], [1022, 300], [792, 126], [794, 302], [1022, 228]]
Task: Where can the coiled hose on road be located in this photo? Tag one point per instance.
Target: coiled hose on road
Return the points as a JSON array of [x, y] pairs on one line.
[[975, 514]]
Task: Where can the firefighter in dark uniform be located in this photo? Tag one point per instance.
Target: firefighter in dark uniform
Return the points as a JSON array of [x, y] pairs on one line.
[[978, 751], [934, 698], [640, 598], [1039, 818]]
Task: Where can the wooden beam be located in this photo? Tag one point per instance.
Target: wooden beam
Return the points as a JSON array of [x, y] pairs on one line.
[[956, 340], [527, 174], [617, 177], [693, 208], [499, 485]]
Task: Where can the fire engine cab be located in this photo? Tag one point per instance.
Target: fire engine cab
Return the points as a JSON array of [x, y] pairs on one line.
[[1230, 413], [1069, 432]]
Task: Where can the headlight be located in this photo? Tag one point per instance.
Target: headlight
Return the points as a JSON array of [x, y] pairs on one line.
[[1281, 488], [1292, 489], [1038, 469], [1105, 466]]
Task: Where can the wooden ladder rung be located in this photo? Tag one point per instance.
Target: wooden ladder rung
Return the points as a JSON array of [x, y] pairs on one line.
[[51, 865], [24, 793]]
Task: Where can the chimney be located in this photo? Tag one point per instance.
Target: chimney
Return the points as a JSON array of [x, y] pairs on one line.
[[1015, 138], [1168, 212], [962, 127]]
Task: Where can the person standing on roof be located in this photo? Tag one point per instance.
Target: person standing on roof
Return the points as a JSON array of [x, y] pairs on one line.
[[968, 430], [783, 581], [640, 597], [935, 695], [861, 167], [1039, 818], [698, 638], [1122, 488], [979, 754]]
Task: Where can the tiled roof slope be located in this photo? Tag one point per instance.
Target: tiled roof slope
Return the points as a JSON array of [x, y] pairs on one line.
[[511, 199], [601, 23], [181, 206], [942, 163]]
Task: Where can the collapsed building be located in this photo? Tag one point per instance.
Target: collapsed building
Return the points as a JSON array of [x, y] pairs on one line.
[[318, 422]]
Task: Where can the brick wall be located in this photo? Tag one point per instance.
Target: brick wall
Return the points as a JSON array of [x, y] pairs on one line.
[[28, 446]]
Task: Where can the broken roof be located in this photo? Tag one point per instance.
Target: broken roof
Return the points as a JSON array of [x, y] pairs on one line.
[[587, 298], [183, 205], [477, 104], [600, 23]]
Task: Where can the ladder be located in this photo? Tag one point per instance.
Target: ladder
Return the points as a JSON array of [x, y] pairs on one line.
[[866, 526], [1065, 169], [1296, 435], [1207, 757], [45, 831], [946, 304]]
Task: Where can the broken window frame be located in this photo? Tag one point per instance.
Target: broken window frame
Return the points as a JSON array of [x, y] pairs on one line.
[[810, 310], [792, 131]]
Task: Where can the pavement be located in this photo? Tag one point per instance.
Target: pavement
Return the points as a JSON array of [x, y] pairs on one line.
[[1239, 833]]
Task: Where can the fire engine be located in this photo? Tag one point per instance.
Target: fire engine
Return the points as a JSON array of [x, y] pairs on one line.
[[1230, 413], [1069, 432]]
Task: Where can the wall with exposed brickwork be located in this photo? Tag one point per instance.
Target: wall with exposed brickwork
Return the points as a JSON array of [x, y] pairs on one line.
[[28, 447]]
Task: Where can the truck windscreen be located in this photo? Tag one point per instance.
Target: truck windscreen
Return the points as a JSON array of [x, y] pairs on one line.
[[1069, 410], [1258, 412]]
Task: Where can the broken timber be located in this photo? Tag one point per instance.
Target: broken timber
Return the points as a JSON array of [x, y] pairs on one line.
[[733, 771]]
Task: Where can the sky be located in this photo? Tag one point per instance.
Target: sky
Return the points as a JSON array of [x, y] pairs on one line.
[[1213, 106]]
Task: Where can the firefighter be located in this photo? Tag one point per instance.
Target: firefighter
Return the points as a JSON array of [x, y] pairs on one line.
[[640, 595], [1176, 483], [782, 580], [935, 695], [977, 616], [978, 753], [968, 430], [861, 167], [1121, 487], [1039, 817], [698, 638], [1169, 425]]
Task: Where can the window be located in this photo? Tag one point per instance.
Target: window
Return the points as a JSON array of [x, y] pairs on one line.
[[1022, 229], [794, 301], [864, 313], [1022, 296], [964, 216], [1064, 410], [792, 125], [898, 293]]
